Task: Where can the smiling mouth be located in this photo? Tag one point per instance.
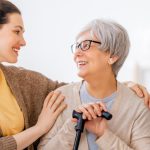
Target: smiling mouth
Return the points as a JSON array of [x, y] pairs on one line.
[[81, 63], [16, 51]]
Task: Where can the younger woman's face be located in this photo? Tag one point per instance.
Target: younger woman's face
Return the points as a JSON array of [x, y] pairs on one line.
[[11, 38]]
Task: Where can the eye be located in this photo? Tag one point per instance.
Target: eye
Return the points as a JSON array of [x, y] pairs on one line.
[[85, 45], [17, 32], [77, 45]]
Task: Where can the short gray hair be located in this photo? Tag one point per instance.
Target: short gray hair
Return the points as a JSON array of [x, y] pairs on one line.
[[113, 37]]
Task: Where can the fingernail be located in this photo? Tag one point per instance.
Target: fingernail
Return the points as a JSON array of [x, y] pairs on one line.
[[141, 95]]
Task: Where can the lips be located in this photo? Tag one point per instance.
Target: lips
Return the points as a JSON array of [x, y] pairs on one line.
[[81, 63], [16, 50]]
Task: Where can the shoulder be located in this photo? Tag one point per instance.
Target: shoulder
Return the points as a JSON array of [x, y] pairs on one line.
[[128, 106], [22, 76], [126, 92], [71, 93], [72, 98], [70, 87], [23, 73], [16, 70], [130, 99]]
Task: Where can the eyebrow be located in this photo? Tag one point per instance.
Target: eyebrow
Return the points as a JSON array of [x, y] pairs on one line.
[[18, 26]]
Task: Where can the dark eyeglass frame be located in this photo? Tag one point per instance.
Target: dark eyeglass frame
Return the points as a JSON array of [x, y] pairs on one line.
[[79, 45]]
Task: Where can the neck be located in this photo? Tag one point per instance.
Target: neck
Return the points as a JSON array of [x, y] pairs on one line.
[[102, 87]]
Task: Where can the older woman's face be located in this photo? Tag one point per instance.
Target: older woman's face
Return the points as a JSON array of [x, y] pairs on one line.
[[91, 63]]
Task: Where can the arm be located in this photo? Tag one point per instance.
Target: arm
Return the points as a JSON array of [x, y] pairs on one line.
[[8, 143], [140, 138], [61, 137], [110, 140], [106, 139], [51, 110]]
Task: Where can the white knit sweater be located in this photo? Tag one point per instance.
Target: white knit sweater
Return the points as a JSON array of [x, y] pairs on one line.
[[129, 128]]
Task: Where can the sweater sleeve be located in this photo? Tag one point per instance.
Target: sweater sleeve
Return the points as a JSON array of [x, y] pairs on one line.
[[140, 137], [110, 141], [59, 137], [8, 143]]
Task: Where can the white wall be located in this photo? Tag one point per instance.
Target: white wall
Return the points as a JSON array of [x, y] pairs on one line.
[[51, 26]]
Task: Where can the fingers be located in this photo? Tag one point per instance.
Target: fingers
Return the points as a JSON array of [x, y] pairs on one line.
[[84, 110], [60, 109], [136, 88], [46, 101], [97, 109], [92, 110], [74, 120], [145, 95], [55, 101], [141, 91], [101, 104], [53, 105]]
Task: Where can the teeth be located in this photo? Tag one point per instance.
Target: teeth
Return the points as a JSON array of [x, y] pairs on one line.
[[82, 62], [15, 49]]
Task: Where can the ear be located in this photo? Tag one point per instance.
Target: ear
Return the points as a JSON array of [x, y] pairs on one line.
[[112, 59]]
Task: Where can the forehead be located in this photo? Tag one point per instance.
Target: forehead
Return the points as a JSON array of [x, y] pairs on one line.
[[15, 20], [84, 36]]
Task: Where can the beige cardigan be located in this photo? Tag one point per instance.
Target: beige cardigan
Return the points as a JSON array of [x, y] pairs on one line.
[[129, 128], [30, 89]]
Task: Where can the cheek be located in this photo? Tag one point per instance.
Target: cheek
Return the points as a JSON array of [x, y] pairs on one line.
[[100, 62], [74, 57], [6, 41], [3, 44]]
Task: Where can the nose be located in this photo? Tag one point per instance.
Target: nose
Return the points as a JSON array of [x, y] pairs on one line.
[[78, 53], [22, 42]]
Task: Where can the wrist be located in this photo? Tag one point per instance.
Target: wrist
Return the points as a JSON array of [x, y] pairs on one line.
[[39, 130]]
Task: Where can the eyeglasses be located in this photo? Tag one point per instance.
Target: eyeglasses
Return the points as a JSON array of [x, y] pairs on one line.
[[84, 45]]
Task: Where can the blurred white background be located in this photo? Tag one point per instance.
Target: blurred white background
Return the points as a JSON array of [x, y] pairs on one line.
[[51, 26]]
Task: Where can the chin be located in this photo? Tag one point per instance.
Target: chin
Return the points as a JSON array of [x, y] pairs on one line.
[[13, 61], [82, 75]]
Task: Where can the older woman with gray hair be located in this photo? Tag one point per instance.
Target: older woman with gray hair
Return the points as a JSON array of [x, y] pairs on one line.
[[99, 52]]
